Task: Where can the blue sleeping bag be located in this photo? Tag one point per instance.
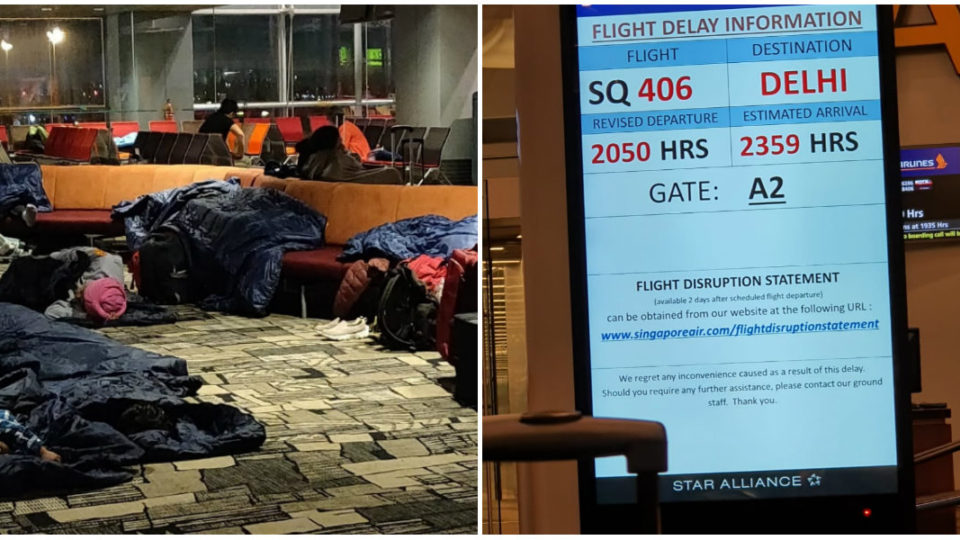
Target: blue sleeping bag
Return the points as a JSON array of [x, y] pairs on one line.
[[431, 235], [22, 183], [237, 241], [72, 386], [147, 213]]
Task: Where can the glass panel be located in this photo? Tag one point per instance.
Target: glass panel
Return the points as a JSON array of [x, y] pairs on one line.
[[379, 79], [247, 57], [204, 61], [504, 363], [238, 55], [317, 57], [345, 63], [39, 71]]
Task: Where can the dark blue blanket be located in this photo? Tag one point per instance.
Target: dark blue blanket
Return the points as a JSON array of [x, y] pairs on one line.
[[236, 236], [148, 212], [431, 235], [21, 183], [70, 386], [237, 242]]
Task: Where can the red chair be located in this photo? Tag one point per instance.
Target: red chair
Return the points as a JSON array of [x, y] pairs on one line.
[[291, 128], [93, 125], [257, 120], [164, 126], [56, 139], [80, 143], [318, 122], [122, 129], [4, 138], [49, 127]]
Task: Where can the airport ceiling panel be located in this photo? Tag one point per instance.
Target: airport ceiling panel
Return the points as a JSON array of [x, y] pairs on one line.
[[88, 10]]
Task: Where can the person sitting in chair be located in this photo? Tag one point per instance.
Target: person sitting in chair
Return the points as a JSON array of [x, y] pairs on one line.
[[221, 123]]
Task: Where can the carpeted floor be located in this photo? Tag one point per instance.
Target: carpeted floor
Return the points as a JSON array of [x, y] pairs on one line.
[[359, 440]]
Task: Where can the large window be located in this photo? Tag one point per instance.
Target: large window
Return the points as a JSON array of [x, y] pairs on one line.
[[51, 62], [322, 58], [292, 55], [236, 56]]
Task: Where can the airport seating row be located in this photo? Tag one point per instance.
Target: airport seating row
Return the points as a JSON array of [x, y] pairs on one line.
[[75, 145], [292, 129], [83, 196], [164, 148]]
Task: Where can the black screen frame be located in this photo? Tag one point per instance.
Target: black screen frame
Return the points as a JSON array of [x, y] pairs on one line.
[[890, 513]]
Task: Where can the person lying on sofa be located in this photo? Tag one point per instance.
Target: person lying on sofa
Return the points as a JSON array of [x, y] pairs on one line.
[[21, 192], [26, 212], [17, 438], [322, 156]]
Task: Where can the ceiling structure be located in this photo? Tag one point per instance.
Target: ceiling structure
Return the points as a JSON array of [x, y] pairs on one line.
[[57, 11]]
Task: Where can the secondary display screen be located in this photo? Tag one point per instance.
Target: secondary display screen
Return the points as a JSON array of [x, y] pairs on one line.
[[930, 185], [736, 246]]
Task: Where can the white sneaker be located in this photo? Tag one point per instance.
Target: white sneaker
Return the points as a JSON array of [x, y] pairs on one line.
[[343, 333], [327, 325], [347, 330], [29, 215], [355, 325]]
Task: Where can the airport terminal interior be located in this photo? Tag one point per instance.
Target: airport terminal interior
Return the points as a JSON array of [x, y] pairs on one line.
[[238, 269]]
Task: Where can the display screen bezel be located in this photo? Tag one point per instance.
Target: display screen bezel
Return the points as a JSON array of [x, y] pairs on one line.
[[887, 512]]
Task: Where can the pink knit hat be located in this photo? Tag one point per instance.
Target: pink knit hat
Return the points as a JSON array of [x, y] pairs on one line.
[[104, 299]]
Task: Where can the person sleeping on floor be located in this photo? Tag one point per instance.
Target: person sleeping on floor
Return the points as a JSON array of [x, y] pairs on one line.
[[15, 438]]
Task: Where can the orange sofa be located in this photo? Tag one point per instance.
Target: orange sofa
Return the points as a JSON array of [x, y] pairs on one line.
[[82, 195], [354, 208]]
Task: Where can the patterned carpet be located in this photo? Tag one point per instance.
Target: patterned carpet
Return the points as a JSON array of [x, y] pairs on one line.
[[359, 440]]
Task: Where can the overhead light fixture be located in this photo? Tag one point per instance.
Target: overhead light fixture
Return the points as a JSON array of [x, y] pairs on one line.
[[98, 9], [496, 248], [5, 46], [56, 35], [46, 9]]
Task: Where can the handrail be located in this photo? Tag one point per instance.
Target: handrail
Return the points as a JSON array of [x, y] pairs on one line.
[[295, 104], [935, 452]]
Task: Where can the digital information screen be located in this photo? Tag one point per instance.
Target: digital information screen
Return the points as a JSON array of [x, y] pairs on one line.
[[930, 186], [736, 246]]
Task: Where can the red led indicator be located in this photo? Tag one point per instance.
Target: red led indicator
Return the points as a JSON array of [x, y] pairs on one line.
[[867, 512]]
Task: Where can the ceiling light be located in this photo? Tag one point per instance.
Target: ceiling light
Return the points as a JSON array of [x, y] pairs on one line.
[[56, 35]]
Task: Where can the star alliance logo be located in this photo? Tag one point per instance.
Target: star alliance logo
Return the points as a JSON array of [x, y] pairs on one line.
[[813, 480]]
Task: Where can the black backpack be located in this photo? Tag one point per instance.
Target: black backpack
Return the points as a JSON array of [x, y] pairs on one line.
[[280, 171], [165, 269], [407, 315]]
